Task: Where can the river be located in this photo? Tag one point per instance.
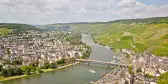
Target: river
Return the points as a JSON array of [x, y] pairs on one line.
[[78, 74]]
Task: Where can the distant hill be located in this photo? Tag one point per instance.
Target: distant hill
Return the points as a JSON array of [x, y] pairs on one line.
[[46, 27], [52, 27], [18, 28], [97, 27], [143, 20]]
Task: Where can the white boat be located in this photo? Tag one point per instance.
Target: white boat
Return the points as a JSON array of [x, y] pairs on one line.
[[107, 47], [92, 71], [91, 82], [114, 57]]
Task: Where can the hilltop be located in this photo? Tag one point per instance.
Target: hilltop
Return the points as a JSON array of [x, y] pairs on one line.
[[13, 28]]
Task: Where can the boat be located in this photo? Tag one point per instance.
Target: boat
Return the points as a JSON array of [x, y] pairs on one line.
[[91, 82], [107, 47], [92, 71], [114, 57]]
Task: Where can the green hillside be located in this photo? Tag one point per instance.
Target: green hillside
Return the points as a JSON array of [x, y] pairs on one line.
[[16, 28], [145, 20], [90, 28], [138, 37], [141, 35]]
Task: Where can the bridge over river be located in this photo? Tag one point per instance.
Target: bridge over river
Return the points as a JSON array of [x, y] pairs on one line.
[[102, 62]]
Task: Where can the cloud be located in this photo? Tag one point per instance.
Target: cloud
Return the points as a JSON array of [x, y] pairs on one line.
[[53, 11], [127, 3]]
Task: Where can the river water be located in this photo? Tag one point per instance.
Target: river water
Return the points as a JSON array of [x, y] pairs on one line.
[[78, 74]]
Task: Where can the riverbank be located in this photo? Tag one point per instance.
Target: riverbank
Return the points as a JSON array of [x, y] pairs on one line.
[[44, 71], [106, 76], [48, 70]]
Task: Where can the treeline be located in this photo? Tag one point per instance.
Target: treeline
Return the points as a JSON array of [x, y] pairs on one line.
[[124, 21], [152, 20], [32, 68], [18, 28]]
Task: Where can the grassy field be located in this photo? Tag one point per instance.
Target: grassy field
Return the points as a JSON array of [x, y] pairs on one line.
[[5, 31]]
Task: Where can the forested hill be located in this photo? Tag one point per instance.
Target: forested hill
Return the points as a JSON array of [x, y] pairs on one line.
[[97, 27], [16, 28]]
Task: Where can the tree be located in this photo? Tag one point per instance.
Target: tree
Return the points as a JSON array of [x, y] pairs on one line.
[[8, 62], [130, 70], [39, 70], [138, 70], [61, 61], [4, 72], [8, 51], [17, 62], [18, 71], [1, 67], [23, 68], [28, 71], [53, 66], [46, 65], [32, 67], [10, 71], [72, 60]]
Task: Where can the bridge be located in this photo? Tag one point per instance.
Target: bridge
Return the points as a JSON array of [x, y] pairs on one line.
[[103, 62]]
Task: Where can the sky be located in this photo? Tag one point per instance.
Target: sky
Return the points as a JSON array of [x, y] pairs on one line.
[[66, 11]]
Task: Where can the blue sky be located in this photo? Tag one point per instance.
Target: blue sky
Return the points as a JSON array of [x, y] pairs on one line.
[[65, 11], [152, 2]]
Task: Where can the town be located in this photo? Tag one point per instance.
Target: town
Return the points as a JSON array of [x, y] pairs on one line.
[[32, 51], [144, 68]]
